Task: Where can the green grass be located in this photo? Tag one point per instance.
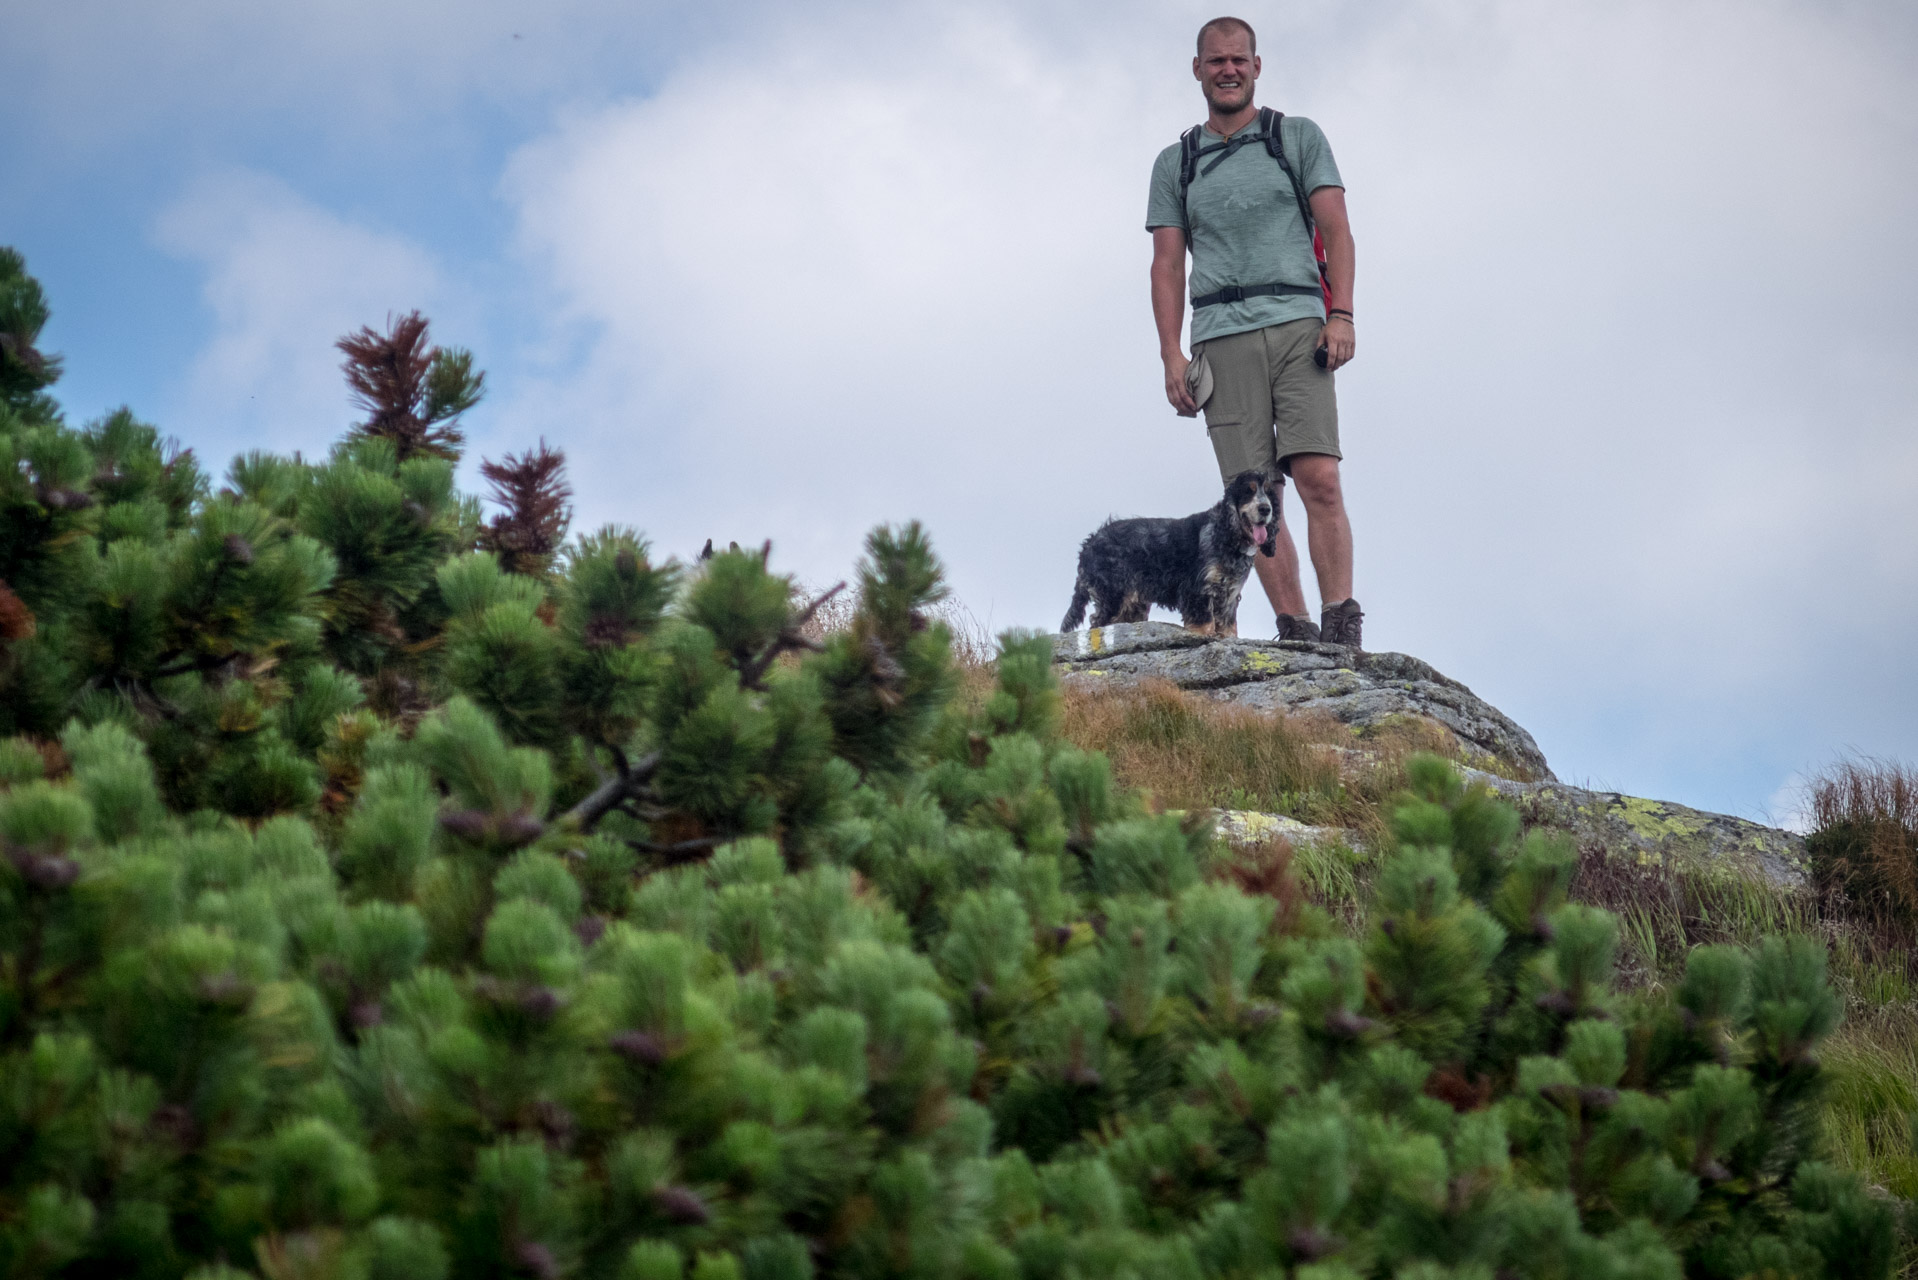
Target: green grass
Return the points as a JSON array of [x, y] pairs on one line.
[[1872, 1100], [1331, 872], [1663, 911]]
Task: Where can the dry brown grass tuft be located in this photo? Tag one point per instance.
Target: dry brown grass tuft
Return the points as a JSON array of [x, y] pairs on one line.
[[1864, 846], [1190, 752]]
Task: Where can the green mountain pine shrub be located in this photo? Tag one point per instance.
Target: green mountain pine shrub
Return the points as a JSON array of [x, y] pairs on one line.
[[387, 895]]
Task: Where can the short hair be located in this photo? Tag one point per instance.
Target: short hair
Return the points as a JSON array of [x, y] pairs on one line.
[[1227, 24]]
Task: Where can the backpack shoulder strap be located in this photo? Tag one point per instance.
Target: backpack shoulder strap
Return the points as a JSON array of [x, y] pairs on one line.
[[1189, 143], [1274, 122], [1269, 123]]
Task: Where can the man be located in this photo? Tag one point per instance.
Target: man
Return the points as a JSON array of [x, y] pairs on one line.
[[1258, 315]]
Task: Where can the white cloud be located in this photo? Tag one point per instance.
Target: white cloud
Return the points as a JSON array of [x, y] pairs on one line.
[[284, 279], [1629, 438], [859, 290]]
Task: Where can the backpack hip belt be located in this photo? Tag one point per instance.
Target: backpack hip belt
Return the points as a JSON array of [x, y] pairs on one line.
[[1240, 292]]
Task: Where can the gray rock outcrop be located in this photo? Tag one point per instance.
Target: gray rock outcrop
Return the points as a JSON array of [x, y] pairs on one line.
[[1359, 689], [1368, 689], [1658, 831]]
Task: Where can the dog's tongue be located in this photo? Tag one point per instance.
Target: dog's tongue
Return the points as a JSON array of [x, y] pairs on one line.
[[1258, 533]]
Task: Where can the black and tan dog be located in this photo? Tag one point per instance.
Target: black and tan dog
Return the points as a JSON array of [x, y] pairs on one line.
[[1196, 565]]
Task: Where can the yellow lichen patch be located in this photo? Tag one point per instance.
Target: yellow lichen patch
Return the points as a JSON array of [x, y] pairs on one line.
[[1251, 826], [1095, 640], [1263, 663], [1654, 821]]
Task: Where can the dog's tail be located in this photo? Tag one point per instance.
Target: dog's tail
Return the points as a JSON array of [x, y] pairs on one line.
[[1076, 611]]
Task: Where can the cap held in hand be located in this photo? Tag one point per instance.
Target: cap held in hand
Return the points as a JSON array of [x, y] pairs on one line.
[[1198, 381]]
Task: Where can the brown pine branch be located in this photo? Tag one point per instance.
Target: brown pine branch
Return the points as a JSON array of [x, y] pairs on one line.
[[537, 501], [388, 374]]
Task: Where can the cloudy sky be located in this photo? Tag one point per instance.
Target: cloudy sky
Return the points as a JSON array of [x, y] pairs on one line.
[[1630, 438]]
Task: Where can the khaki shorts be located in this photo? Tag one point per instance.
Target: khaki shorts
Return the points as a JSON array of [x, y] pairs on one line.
[[1269, 400]]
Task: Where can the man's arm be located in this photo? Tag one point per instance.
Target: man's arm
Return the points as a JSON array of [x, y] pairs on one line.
[[1335, 229], [1168, 312]]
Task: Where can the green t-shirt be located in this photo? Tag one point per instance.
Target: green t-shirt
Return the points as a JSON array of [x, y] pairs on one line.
[[1246, 227]]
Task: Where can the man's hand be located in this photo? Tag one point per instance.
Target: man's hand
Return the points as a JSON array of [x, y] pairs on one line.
[[1176, 389], [1339, 341], [1168, 313], [1328, 211]]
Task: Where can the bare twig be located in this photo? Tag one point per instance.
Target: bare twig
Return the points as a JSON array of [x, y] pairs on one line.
[[683, 851], [630, 784], [806, 614], [207, 663], [788, 640]]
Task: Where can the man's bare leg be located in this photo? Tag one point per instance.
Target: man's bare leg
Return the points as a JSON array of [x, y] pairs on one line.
[[1279, 574], [1328, 533]]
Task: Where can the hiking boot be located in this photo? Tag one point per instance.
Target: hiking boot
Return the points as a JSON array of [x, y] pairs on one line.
[[1340, 624], [1296, 626]]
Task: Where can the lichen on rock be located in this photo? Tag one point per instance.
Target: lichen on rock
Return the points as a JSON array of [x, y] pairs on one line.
[[1657, 831]]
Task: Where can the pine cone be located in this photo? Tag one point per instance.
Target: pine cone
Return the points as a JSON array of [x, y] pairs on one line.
[[681, 1204], [516, 829], [61, 499], [467, 824], [1312, 1244], [227, 989], [1347, 1025], [44, 871], [642, 1047], [542, 1003], [538, 1259]]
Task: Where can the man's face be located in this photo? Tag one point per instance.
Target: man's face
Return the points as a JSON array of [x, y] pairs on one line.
[[1225, 69]]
